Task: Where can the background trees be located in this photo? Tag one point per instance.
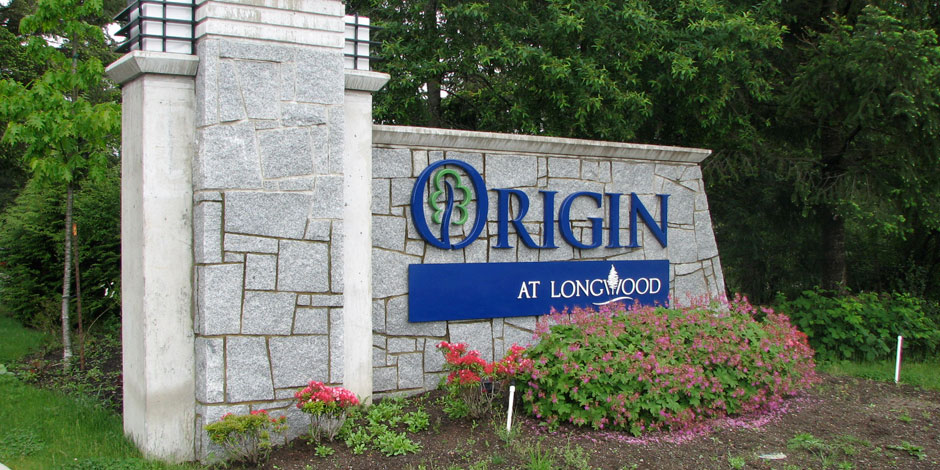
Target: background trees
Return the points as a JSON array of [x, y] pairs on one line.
[[63, 125], [823, 115]]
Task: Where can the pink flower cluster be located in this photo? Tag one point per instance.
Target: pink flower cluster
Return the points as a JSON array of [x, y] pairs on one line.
[[332, 398], [467, 367]]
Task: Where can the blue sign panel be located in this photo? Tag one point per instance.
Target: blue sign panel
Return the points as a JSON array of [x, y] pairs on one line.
[[465, 291]]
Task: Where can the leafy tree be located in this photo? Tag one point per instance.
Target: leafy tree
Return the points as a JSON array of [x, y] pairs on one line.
[[657, 71], [64, 135]]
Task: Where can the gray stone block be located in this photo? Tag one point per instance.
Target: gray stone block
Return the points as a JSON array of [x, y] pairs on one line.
[[326, 300], [477, 335], [390, 273], [231, 104], [526, 323], [337, 138], [260, 272], [336, 345], [318, 230], [380, 196], [401, 191], [296, 360], [282, 215], [328, 197], [302, 114], [201, 196], [247, 243], [296, 184], [285, 152], [207, 85], [247, 370], [319, 76], [564, 168], [513, 335], [433, 358], [234, 257], [378, 316], [474, 159], [260, 88], [682, 246], [670, 172], [686, 268], [564, 252], [207, 232], [705, 236], [311, 321], [397, 321], [689, 287], [410, 371], [417, 248], [268, 313], [419, 161], [303, 267], [226, 158], [336, 255], [511, 171], [288, 80], [632, 178], [582, 207], [236, 49], [218, 302], [210, 370], [401, 345], [681, 206], [384, 379], [391, 163], [378, 355], [434, 255]]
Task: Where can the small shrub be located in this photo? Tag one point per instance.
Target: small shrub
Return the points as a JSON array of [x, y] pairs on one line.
[[865, 326], [654, 368], [247, 437], [327, 407], [474, 381], [417, 421], [392, 443]]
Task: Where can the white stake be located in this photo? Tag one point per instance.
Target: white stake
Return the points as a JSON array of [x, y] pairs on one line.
[[512, 393], [897, 363]]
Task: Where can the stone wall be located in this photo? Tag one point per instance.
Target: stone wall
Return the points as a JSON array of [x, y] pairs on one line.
[[268, 224], [404, 354]]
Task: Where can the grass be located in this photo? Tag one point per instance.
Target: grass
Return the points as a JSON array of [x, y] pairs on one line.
[[922, 374], [17, 341], [42, 429]]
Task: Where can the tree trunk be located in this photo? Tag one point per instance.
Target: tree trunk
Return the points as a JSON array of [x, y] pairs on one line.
[[66, 284], [434, 103], [833, 231], [78, 299]]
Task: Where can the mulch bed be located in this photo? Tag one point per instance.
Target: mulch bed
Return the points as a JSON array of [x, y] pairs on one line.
[[861, 424]]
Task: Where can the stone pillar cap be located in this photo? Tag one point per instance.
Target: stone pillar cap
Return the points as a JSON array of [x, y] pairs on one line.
[[136, 63]]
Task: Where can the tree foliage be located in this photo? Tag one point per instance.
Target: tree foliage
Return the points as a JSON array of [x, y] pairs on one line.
[[63, 131], [823, 115]]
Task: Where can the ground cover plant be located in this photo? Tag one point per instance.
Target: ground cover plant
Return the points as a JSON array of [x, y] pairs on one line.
[[645, 369]]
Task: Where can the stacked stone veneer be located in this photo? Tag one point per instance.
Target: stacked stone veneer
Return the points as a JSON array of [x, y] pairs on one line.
[[268, 214], [405, 357]]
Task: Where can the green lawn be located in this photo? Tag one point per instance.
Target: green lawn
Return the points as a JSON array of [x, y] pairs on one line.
[[17, 341], [924, 374], [42, 429]]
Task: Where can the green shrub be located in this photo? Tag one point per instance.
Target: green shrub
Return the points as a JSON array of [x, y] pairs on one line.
[[865, 326], [647, 369], [247, 437]]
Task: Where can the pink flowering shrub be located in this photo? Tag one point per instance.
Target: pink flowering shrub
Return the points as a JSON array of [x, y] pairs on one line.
[[469, 372], [327, 407], [646, 369]]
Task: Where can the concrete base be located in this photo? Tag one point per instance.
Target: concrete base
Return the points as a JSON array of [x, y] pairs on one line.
[[156, 252]]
